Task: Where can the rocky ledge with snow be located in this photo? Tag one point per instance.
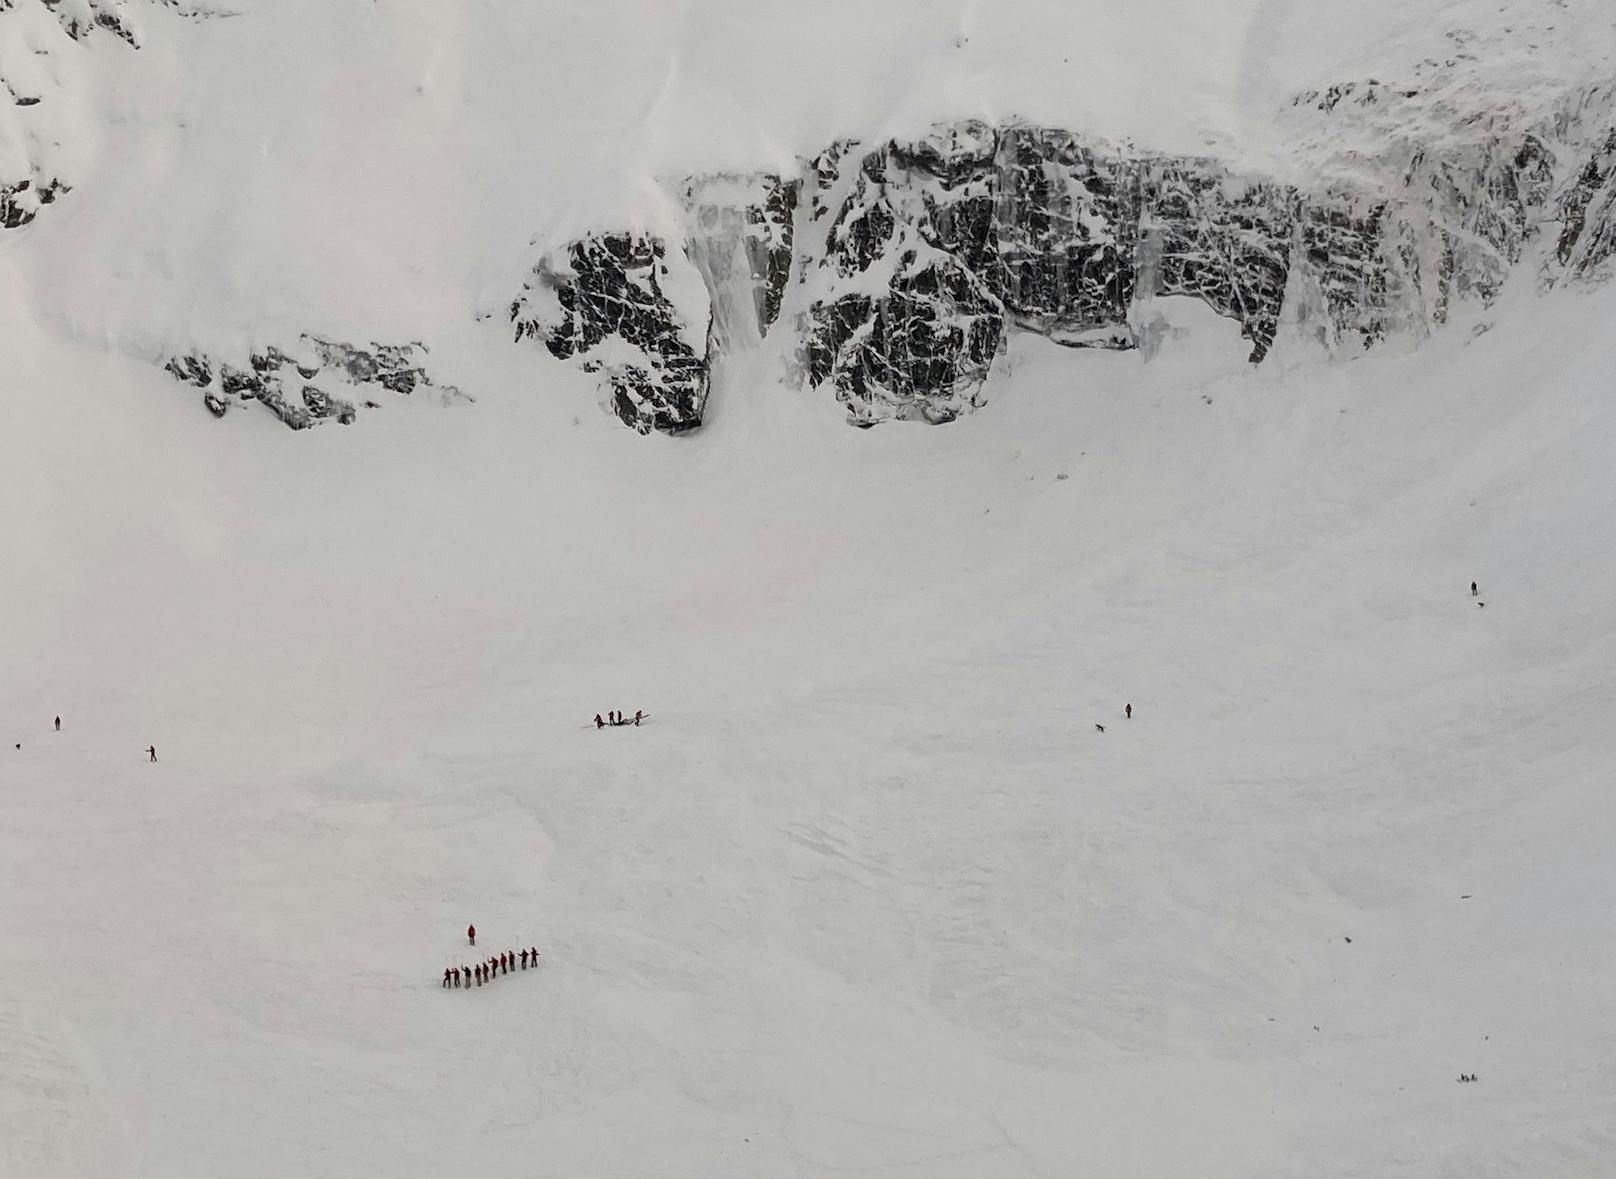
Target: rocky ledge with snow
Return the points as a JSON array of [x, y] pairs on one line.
[[312, 380], [914, 258]]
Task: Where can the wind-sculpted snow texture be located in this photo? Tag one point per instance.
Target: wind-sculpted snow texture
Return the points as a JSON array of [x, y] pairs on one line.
[[606, 300], [296, 384]]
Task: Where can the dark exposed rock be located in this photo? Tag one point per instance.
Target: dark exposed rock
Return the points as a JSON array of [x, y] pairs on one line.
[[1342, 253], [394, 367], [1068, 226], [907, 326], [1220, 237], [1587, 211], [193, 370], [21, 201], [78, 20], [920, 351], [238, 383], [606, 299]]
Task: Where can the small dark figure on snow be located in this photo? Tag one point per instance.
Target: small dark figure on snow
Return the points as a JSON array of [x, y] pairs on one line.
[[151, 749], [471, 934], [637, 715], [1100, 727], [480, 974], [507, 960], [524, 958], [599, 724], [446, 978], [533, 954], [58, 724], [1473, 590], [456, 977], [1128, 711]]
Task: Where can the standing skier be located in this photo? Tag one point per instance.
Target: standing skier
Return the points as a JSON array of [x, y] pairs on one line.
[[637, 715], [471, 934], [58, 724], [1472, 589], [599, 724], [1128, 712], [151, 749], [445, 978], [524, 957]]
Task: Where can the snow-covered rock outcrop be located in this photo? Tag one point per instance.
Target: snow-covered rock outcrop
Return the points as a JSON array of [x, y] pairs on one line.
[[36, 84], [632, 309], [887, 273], [312, 380]]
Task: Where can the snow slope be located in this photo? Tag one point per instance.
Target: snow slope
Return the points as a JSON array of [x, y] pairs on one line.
[[870, 892]]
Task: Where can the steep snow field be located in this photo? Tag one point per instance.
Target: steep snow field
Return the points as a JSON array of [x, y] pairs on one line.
[[869, 892]]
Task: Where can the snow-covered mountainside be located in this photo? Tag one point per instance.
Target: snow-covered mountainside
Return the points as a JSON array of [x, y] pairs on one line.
[[1365, 210], [1193, 759]]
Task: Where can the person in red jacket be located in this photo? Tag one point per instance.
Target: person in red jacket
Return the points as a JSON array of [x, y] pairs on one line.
[[471, 934]]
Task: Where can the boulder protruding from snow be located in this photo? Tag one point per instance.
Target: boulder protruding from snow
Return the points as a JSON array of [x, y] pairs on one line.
[[283, 380]]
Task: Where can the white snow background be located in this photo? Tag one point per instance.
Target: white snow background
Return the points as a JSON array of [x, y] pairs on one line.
[[870, 893]]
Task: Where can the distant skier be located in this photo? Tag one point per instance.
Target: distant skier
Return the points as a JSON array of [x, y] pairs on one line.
[[524, 957], [637, 715], [533, 954], [446, 978], [1128, 711], [599, 724], [471, 934], [455, 972], [151, 749], [505, 961], [58, 724], [1473, 590]]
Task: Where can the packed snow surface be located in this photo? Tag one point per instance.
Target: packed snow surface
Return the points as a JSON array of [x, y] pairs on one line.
[[887, 883]]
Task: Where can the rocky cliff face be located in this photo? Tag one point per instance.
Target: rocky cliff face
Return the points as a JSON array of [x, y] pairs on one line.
[[890, 273], [915, 258], [622, 303]]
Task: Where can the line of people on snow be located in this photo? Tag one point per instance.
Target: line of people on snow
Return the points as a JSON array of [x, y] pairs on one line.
[[487, 970], [617, 719]]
